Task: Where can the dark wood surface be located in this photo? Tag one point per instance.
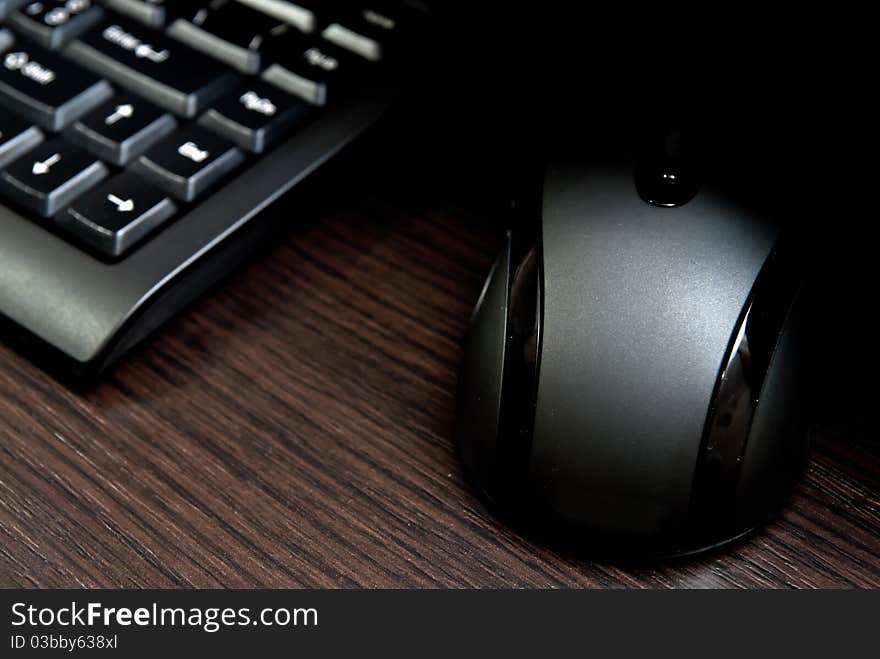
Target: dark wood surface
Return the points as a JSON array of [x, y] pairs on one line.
[[293, 430]]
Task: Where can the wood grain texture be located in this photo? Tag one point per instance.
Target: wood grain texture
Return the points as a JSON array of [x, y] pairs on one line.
[[293, 430]]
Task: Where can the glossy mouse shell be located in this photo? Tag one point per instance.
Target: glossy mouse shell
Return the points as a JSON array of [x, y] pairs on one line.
[[651, 424]]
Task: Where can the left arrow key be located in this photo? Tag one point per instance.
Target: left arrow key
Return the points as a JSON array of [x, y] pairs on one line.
[[17, 137], [51, 176], [43, 167]]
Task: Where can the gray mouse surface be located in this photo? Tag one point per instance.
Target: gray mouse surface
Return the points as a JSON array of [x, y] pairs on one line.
[[630, 377]]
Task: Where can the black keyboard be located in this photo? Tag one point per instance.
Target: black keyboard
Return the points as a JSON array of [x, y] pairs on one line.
[[141, 139]]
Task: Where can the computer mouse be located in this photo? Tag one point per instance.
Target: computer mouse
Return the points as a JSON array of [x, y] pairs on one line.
[[631, 377]]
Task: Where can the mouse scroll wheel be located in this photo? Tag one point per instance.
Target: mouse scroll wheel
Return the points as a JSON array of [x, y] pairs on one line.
[[666, 170]]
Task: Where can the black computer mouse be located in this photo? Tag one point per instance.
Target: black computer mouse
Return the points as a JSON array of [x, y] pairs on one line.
[[630, 378]]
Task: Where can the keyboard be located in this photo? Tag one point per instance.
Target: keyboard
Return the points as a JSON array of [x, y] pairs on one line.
[[141, 142]]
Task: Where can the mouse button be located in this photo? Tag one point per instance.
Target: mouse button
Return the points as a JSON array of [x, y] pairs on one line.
[[478, 402], [668, 167]]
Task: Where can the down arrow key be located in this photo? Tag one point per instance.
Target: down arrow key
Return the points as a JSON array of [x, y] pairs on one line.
[[125, 206], [118, 214]]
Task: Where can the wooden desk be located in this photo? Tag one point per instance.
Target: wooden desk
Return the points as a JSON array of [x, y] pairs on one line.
[[293, 429]]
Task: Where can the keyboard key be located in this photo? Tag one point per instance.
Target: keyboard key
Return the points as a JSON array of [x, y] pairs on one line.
[[162, 70], [6, 40], [52, 175], [347, 38], [312, 69], [53, 24], [226, 30], [122, 129], [291, 13], [188, 162], [117, 214], [47, 89], [17, 137], [9, 6], [148, 12], [369, 30], [256, 116]]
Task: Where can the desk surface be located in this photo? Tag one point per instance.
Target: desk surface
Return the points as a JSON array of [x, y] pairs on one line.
[[293, 430]]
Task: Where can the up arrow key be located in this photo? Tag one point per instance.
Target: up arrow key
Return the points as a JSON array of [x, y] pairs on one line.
[[43, 167], [125, 111], [123, 206]]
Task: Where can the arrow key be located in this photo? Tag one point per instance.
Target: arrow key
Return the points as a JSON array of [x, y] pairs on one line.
[[121, 129], [51, 176], [117, 214], [17, 137]]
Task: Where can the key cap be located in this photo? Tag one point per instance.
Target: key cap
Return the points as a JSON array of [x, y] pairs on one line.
[[122, 129], [188, 162], [162, 70], [225, 30], [47, 89], [51, 176], [9, 6], [148, 12], [256, 116], [368, 30], [117, 214], [292, 13], [53, 24], [17, 136], [312, 69]]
